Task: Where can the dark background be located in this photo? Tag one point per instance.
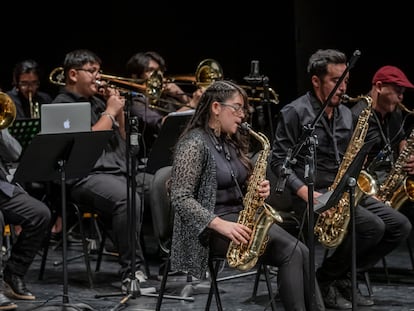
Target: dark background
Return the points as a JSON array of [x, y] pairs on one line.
[[281, 35]]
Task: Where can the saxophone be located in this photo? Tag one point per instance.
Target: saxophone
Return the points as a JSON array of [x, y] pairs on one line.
[[398, 187], [331, 227], [257, 215]]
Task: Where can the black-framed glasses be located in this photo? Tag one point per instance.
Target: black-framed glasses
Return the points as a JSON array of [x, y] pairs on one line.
[[92, 71], [26, 84], [236, 108]]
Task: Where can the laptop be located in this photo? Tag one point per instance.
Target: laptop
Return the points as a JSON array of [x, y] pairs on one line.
[[162, 149], [59, 118]]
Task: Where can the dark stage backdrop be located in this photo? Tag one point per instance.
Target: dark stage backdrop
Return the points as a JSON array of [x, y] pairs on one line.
[[280, 36]]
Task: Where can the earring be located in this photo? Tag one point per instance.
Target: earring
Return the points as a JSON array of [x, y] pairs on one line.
[[217, 127]]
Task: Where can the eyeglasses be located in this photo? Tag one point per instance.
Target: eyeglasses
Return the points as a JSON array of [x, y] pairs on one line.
[[238, 109], [26, 84], [92, 71]]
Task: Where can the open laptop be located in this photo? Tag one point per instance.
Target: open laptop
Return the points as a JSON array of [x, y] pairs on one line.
[[162, 149], [59, 118]]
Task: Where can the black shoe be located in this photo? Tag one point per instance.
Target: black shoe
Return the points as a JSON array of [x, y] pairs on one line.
[[15, 287], [345, 288], [6, 303], [332, 298]]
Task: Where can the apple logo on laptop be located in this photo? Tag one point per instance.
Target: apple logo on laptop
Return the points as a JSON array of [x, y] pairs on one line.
[[66, 124]]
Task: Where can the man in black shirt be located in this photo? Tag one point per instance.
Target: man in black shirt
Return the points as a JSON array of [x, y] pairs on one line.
[[378, 230]]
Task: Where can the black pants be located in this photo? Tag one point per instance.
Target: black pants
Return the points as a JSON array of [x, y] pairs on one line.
[[287, 253], [107, 195], [34, 218]]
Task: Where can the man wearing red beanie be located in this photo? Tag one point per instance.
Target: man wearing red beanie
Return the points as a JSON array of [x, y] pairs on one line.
[[387, 127]]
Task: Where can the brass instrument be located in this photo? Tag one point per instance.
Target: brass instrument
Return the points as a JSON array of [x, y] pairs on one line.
[[7, 111], [34, 107], [258, 94], [398, 187], [257, 215], [152, 87], [332, 226], [208, 71]]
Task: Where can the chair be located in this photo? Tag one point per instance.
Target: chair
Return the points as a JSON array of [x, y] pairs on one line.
[[162, 216], [89, 243], [163, 223]]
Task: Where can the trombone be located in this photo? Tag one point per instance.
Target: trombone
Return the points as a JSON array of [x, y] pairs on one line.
[[152, 87], [208, 71], [261, 94]]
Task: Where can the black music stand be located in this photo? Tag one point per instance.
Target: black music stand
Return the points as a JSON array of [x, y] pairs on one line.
[[24, 130], [331, 198], [61, 157]]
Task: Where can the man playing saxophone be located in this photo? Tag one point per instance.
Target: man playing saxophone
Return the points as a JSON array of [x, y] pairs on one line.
[[391, 159], [210, 177], [333, 133]]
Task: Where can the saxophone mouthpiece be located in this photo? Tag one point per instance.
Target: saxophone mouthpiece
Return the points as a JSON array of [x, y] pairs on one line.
[[345, 98], [245, 126]]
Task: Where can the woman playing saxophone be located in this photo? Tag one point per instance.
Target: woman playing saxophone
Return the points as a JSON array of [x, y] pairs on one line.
[[210, 177]]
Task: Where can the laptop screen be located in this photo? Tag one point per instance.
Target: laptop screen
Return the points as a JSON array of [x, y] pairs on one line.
[[65, 118]]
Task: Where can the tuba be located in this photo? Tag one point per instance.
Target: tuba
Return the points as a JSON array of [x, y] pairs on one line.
[[7, 111], [330, 228], [257, 215]]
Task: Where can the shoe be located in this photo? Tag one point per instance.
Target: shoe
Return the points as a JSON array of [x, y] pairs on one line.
[[126, 281], [333, 298], [15, 287], [6, 303], [344, 286]]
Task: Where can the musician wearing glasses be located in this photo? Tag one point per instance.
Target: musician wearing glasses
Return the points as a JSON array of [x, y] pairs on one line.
[[378, 229], [210, 186], [26, 93], [104, 190]]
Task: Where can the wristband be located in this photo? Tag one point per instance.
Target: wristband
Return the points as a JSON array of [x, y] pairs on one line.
[[114, 122]]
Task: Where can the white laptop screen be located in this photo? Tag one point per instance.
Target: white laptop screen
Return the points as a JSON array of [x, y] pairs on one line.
[[65, 118]]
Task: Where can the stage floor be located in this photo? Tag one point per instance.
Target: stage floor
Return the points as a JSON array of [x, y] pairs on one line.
[[392, 294]]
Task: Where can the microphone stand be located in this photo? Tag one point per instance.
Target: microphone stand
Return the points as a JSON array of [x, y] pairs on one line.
[[254, 79], [132, 148], [307, 138]]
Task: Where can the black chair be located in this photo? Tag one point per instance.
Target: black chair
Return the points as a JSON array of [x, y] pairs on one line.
[[90, 239], [163, 217]]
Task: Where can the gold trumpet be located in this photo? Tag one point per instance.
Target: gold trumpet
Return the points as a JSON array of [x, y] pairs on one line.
[[7, 111]]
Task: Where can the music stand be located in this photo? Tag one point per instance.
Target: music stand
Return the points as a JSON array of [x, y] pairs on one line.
[[161, 151], [61, 157], [331, 198], [24, 130]]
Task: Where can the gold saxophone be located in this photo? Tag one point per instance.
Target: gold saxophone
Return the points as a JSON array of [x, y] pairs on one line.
[[398, 187], [331, 227], [257, 215]]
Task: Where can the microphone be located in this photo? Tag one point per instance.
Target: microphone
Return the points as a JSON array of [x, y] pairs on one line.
[[254, 77], [354, 58]]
